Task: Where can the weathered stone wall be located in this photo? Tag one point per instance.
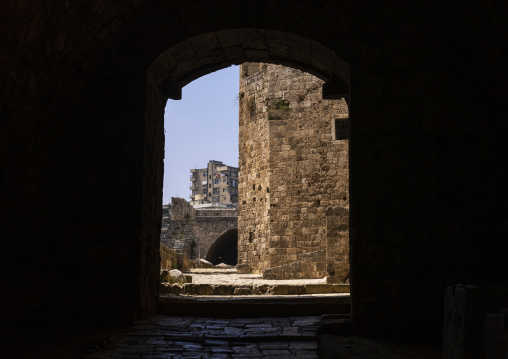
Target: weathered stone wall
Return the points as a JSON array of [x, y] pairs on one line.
[[219, 212], [291, 169], [207, 229], [253, 187], [181, 209], [168, 257], [308, 265], [337, 244], [194, 231]]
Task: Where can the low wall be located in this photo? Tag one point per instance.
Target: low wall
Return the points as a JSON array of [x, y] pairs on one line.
[[168, 257]]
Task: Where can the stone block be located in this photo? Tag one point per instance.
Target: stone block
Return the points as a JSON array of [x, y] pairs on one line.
[[243, 290], [318, 288], [279, 289], [164, 275], [260, 289], [175, 288], [341, 288], [223, 289], [163, 288], [188, 278], [296, 289], [190, 288], [203, 263], [205, 289], [243, 269]]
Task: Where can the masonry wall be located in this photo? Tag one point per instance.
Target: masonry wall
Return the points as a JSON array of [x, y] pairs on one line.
[[82, 145], [303, 170], [253, 187], [168, 257], [181, 209]]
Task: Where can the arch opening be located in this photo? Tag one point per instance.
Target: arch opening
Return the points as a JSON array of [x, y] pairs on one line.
[[224, 249], [206, 53]]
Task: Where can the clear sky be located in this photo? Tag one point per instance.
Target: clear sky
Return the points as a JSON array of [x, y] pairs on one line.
[[202, 126]]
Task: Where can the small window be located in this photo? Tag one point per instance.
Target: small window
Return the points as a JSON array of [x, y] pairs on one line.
[[342, 129], [223, 190]]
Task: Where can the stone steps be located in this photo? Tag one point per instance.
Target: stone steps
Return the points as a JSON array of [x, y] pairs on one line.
[[256, 289], [252, 306]]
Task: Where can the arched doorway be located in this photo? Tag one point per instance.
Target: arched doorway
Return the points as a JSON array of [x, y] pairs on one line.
[[209, 52], [224, 249]]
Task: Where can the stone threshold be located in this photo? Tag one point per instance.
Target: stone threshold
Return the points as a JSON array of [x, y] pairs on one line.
[[254, 306], [253, 289]]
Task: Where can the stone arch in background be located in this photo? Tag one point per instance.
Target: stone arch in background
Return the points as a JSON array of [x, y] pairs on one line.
[[224, 249]]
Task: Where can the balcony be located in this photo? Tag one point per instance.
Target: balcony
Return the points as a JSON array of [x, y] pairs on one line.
[[193, 188], [193, 178]]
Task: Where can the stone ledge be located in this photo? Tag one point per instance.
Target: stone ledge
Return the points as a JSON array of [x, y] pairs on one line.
[[229, 289]]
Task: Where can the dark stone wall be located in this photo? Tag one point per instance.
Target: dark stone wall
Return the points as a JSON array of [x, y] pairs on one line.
[[82, 145]]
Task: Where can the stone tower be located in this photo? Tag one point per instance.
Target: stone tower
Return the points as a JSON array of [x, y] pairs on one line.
[[293, 166]]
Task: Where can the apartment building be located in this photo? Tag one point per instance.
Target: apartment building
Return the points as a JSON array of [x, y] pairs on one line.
[[215, 184]]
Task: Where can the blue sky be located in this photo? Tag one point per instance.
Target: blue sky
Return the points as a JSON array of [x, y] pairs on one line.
[[202, 126]]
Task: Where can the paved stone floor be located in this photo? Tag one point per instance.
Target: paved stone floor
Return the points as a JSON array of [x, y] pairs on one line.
[[186, 337]]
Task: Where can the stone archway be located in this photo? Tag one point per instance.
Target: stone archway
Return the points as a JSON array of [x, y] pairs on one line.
[[224, 249], [202, 54], [208, 52]]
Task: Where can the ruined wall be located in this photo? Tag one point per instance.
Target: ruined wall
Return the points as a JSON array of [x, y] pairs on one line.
[[168, 257], [181, 209], [301, 170]]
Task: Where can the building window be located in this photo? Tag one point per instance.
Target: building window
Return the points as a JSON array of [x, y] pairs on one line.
[[223, 190], [224, 180], [204, 174], [342, 129], [209, 194], [216, 180]]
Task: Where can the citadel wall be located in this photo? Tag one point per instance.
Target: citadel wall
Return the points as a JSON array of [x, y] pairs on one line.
[[291, 167]]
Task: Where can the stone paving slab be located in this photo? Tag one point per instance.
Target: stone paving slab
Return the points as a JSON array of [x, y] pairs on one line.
[[185, 337]]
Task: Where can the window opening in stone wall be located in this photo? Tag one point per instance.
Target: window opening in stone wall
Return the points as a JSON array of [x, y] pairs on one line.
[[342, 129]]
